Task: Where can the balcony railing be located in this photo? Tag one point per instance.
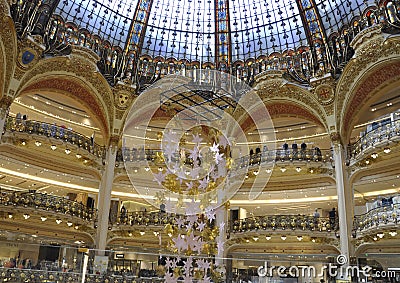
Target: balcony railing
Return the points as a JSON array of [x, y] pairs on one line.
[[144, 218], [285, 223], [379, 137], [377, 218], [66, 135], [267, 156], [49, 203]]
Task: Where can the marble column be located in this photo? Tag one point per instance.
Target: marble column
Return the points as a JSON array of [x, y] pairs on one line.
[[104, 199], [345, 202]]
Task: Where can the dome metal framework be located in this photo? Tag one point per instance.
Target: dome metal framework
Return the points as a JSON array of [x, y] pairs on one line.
[[140, 41]]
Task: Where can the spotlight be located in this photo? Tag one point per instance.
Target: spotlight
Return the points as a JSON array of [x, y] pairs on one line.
[[26, 216], [69, 223], [386, 150], [393, 233], [53, 147], [43, 218], [298, 169], [283, 238], [268, 237], [67, 151], [58, 221], [38, 143], [299, 238], [374, 155]]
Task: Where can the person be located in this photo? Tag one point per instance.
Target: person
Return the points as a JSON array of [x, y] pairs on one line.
[[316, 216], [332, 217], [303, 146]]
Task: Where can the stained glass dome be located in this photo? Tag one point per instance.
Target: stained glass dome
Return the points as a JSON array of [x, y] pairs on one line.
[[209, 30]]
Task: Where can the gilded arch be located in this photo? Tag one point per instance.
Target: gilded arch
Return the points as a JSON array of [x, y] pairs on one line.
[[78, 79]]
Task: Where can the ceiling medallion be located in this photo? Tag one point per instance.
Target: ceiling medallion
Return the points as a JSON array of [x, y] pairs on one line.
[[325, 94]]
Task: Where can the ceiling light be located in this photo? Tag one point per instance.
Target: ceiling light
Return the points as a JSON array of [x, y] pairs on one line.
[[255, 238], [76, 227], [311, 171], [299, 238], [69, 223], [298, 169], [247, 241], [375, 238], [67, 151], [268, 170], [23, 142], [380, 235], [43, 218], [35, 236], [160, 169], [389, 104], [58, 221], [78, 155], [38, 143], [147, 168], [367, 161], [393, 233], [283, 238], [142, 233], [268, 237], [374, 155], [26, 216], [373, 109], [386, 150], [256, 173], [53, 147], [130, 234], [283, 169], [313, 240], [10, 215]]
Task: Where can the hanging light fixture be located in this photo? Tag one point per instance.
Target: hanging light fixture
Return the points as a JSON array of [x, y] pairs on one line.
[[283, 237], [393, 233], [374, 155], [380, 235], [298, 169], [69, 223], [43, 218], [268, 170], [38, 143], [255, 238], [58, 221], [53, 147], [268, 237], [10, 215], [299, 238], [67, 151], [386, 150], [313, 240], [142, 233], [78, 155], [26, 216], [283, 169]]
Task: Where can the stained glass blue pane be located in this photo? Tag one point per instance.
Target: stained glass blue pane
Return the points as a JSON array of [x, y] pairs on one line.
[[336, 13], [185, 27], [262, 27], [108, 19]]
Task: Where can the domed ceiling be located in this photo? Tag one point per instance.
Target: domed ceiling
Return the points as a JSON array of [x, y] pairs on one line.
[[209, 30]]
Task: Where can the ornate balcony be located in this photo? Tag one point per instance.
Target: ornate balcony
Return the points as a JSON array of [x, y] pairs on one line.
[[40, 203], [52, 131], [377, 219], [278, 223]]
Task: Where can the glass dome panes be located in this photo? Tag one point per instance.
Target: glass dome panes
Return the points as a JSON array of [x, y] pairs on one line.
[[262, 27], [336, 13], [107, 18], [182, 29]]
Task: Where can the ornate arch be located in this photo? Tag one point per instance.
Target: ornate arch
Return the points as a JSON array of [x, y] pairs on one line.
[[298, 100], [374, 66], [8, 49], [77, 78]]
